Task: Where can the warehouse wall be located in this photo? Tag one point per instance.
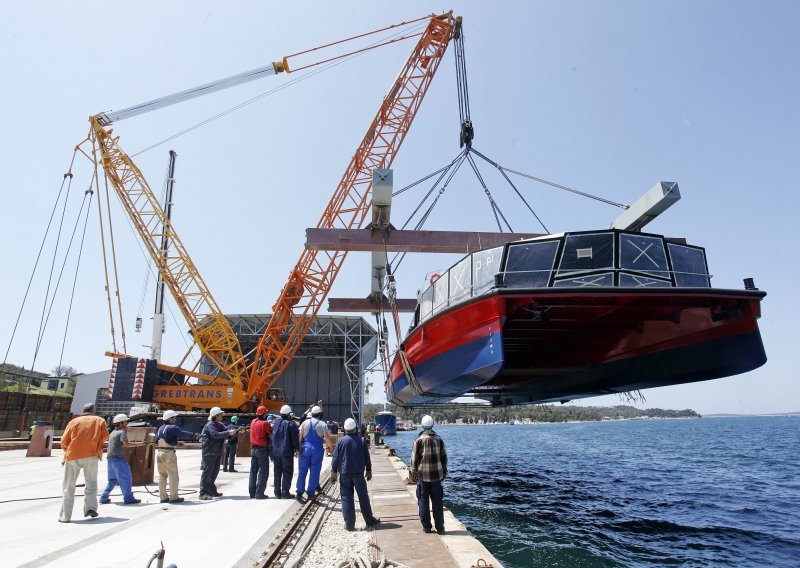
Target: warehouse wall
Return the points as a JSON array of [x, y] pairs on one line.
[[86, 389], [307, 380]]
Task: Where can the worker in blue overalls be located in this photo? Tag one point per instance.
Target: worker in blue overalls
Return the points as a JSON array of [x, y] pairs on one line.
[[312, 442]]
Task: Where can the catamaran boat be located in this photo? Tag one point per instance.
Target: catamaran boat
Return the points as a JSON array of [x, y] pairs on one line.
[[574, 315]]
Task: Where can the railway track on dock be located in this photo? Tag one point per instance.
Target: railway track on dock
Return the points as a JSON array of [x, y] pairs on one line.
[[294, 540]]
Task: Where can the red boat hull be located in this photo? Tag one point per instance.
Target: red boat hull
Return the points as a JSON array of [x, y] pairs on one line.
[[556, 344]]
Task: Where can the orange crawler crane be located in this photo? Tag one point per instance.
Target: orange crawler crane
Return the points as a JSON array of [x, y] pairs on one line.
[[243, 383]]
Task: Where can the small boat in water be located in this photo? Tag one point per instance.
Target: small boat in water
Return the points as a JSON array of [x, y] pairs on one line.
[[575, 315], [406, 426]]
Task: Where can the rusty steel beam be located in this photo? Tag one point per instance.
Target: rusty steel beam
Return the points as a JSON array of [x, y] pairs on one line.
[[408, 241], [363, 305]]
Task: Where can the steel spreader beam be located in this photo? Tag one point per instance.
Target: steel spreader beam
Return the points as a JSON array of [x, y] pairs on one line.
[[371, 305], [408, 241]]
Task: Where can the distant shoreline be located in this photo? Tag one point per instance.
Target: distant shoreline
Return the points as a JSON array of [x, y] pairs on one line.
[[712, 416], [775, 415]]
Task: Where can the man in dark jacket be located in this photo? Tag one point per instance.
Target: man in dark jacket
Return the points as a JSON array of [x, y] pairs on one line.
[[350, 461], [212, 439], [260, 442], [285, 445], [429, 463]]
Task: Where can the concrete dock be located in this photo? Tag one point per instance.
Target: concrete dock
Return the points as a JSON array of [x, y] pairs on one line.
[[229, 531], [400, 535]]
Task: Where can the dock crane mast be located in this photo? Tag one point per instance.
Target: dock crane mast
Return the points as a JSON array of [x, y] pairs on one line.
[[311, 279]]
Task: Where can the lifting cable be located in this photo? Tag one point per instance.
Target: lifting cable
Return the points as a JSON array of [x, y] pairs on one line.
[[42, 321], [96, 182], [467, 130], [67, 175], [492, 202], [446, 176], [514, 187], [88, 193], [504, 169], [143, 296], [75, 279], [114, 260], [447, 173], [154, 274], [325, 66], [400, 351]]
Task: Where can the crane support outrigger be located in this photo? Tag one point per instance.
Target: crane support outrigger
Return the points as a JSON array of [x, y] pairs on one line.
[[247, 381]]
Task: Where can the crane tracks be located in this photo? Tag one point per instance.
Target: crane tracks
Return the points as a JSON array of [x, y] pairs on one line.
[[299, 534]]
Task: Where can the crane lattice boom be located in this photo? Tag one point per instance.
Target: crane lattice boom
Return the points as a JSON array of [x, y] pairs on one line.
[[311, 279], [211, 330]]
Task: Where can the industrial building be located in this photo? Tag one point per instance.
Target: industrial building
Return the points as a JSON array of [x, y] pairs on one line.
[[329, 365]]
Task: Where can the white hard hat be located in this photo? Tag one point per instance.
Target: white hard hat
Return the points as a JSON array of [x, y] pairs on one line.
[[427, 421], [216, 411], [316, 410], [120, 418], [350, 425], [286, 409], [170, 414]]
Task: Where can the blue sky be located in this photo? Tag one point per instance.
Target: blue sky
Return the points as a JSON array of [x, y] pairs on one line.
[[607, 97]]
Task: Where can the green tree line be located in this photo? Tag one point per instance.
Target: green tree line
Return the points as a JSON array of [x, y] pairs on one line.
[[535, 413]]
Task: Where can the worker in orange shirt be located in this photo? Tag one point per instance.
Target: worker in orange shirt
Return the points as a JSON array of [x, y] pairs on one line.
[[82, 442]]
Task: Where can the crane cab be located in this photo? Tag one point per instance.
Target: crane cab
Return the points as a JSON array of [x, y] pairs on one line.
[[273, 400]]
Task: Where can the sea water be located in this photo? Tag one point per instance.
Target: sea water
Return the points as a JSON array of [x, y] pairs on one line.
[[693, 492]]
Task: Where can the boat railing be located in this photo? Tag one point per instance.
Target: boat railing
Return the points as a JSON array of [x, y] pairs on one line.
[[580, 260]]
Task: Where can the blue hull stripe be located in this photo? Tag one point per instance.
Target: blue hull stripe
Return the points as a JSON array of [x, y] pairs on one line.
[[454, 372]]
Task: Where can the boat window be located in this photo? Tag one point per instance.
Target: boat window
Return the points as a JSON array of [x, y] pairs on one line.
[[588, 281], [689, 265], [440, 286], [461, 280], [485, 264], [638, 281], [587, 252], [426, 304], [643, 254], [530, 264]]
